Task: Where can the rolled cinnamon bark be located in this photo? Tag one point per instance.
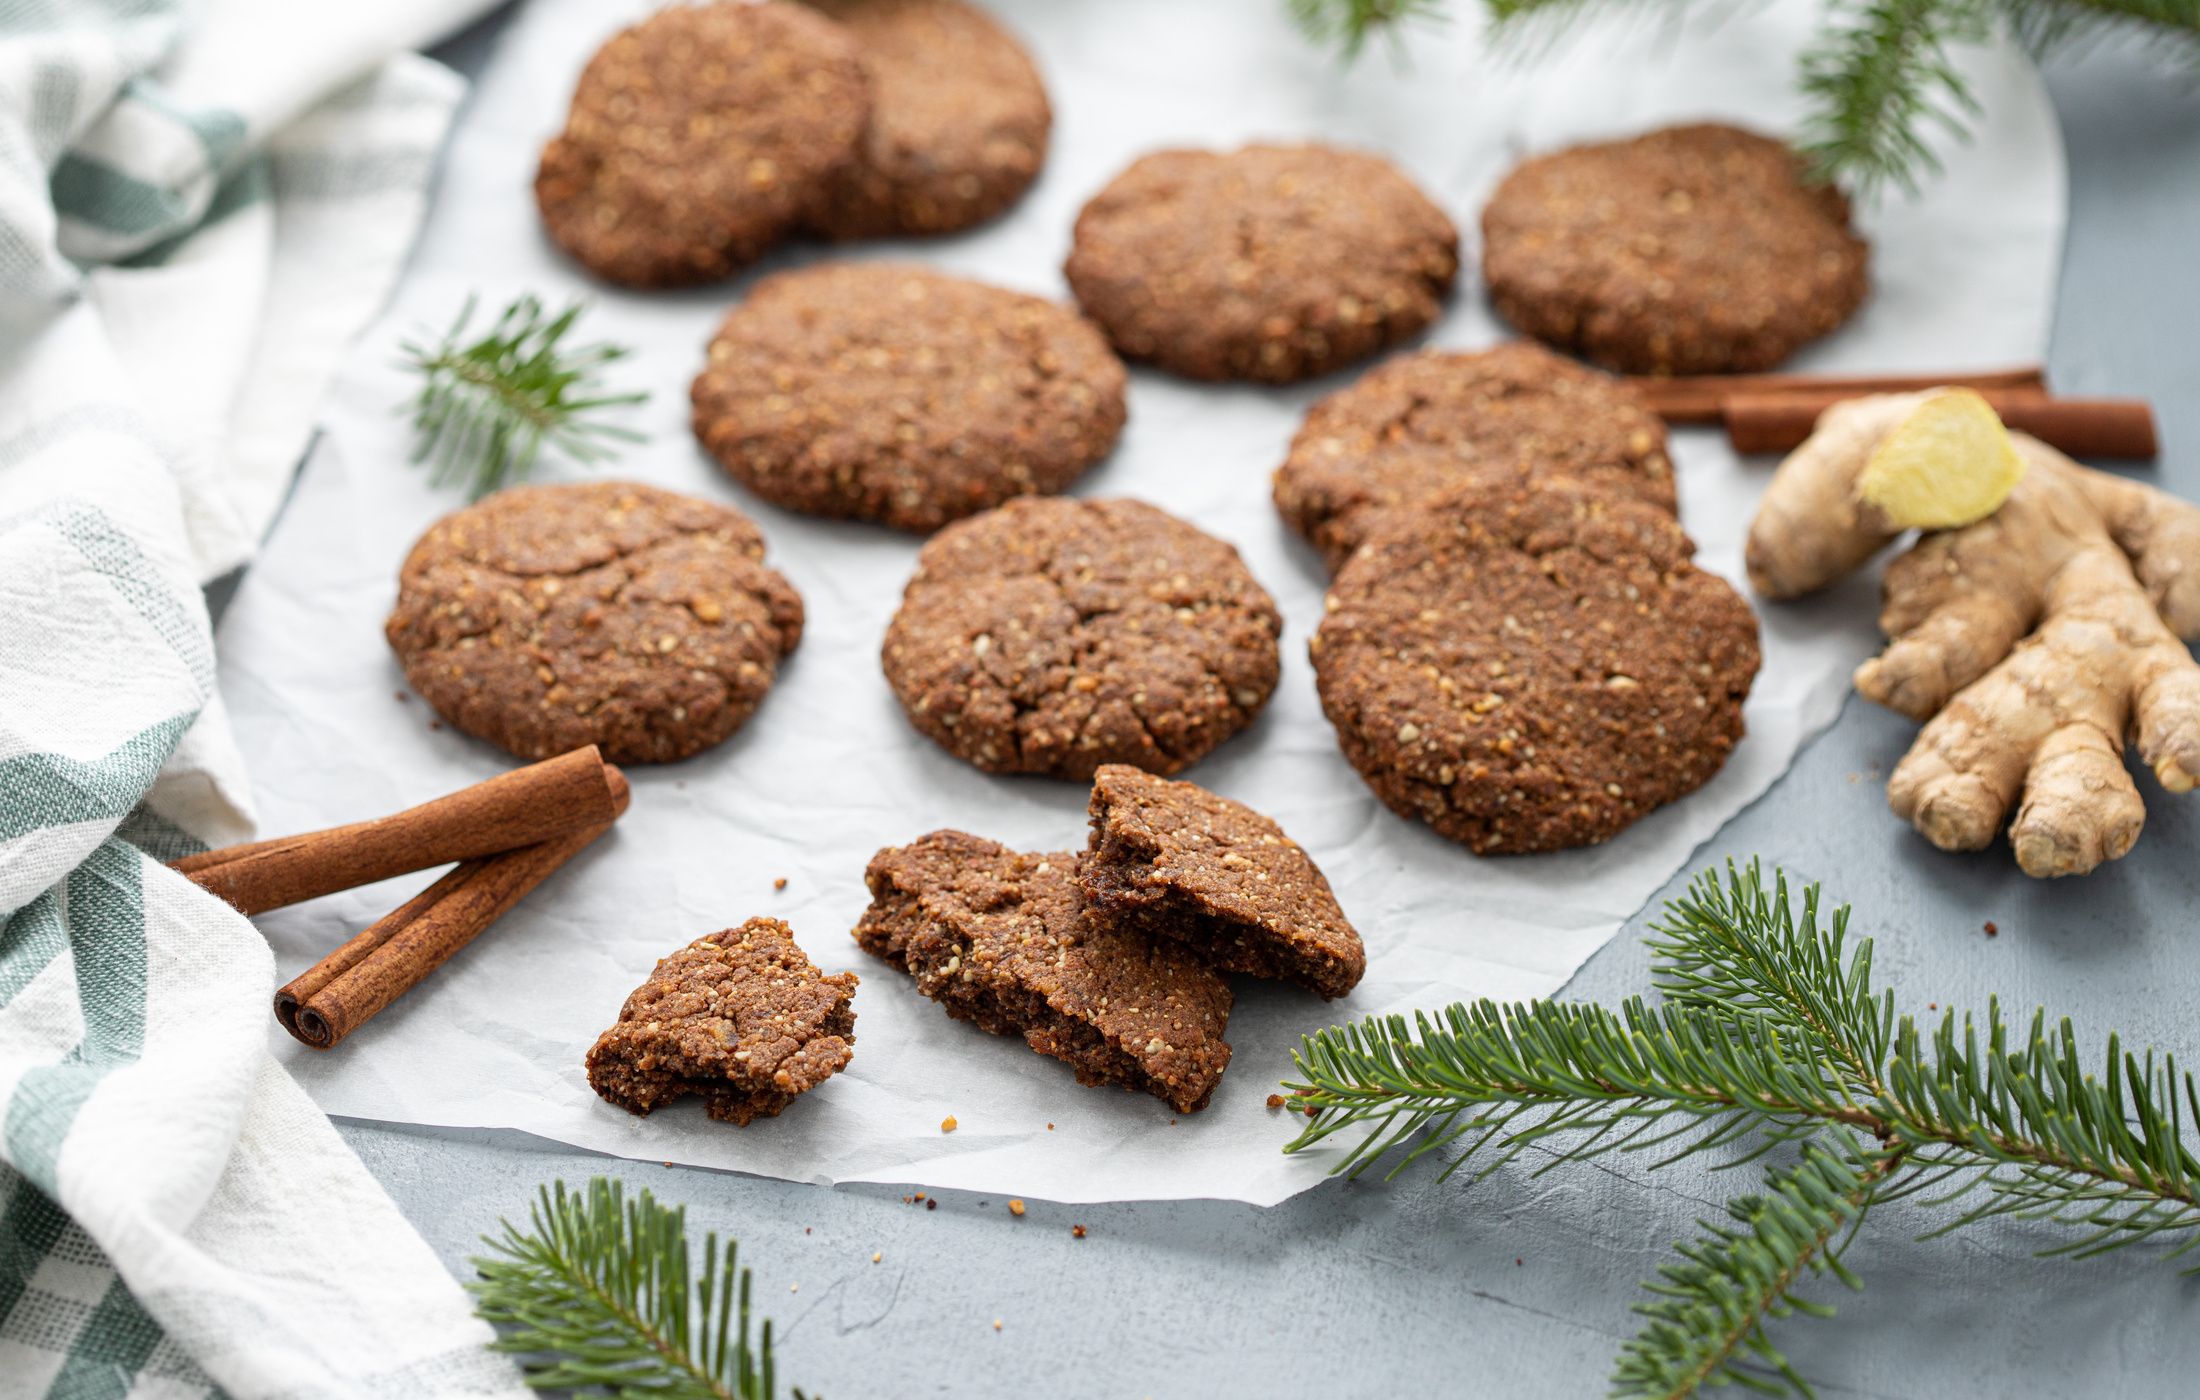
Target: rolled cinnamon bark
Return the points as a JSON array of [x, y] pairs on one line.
[[346, 989], [2080, 427], [1703, 398], [525, 807]]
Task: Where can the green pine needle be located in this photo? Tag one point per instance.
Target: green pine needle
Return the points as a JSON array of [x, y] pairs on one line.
[[489, 405], [598, 1296], [1771, 1038], [1881, 79], [1346, 24], [1707, 1311]]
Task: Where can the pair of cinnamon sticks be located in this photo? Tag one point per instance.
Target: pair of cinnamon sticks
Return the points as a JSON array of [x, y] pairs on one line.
[[1776, 412], [507, 836]]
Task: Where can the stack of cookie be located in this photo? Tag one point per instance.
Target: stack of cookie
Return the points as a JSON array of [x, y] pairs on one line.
[[707, 133], [1517, 647], [1112, 960]]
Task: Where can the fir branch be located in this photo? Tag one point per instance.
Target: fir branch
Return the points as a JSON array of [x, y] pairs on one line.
[[599, 1297], [488, 406], [1881, 79], [1707, 1315], [1772, 1034], [1346, 24]]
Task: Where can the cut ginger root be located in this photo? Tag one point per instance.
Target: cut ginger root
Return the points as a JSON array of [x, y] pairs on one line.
[[2034, 640]]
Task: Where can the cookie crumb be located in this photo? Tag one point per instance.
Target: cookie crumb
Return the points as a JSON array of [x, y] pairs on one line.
[[1050, 1127], [780, 883], [1016, 1208], [931, 1205], [947, 1124], [1076, 1232], [794, 1288], [996, 1324], [1991, 930], [877, 1254]]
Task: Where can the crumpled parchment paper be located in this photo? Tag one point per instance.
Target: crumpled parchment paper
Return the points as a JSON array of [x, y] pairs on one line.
[[828, 770]]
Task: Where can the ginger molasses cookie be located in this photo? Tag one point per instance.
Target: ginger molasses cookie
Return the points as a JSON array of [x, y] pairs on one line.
[[1273, 263], [1422, 424], [699, 136], [886, 392], [610, 613], [1692, 250], [741, 1018], [1000, 938], [1173, 860], [1528, 670], [1053, 635], [959, 121]]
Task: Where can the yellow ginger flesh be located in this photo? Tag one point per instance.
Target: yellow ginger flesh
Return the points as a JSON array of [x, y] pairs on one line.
[[1948, 463]]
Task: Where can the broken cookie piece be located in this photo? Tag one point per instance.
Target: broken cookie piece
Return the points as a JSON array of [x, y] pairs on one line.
[[1173, 860], [1001, 938], [741, 1018]]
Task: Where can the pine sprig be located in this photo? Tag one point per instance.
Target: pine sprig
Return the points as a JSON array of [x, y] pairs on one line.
[[1346, 24], [1881, 78], [1883, 84], [1772, 1036], [599, 1296], [1707, 1313], [489, 405]]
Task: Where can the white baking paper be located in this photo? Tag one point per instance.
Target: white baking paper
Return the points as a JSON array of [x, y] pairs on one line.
[[828, 770]]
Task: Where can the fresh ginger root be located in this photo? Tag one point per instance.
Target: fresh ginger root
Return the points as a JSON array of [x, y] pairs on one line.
[[1873, 468], [2033, 641]]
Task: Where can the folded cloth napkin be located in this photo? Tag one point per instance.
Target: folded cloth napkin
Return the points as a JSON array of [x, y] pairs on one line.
[[199, 207]]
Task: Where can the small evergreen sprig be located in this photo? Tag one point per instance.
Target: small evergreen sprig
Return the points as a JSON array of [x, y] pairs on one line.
[[1880, 76], [488, 405], [1770, 1037], [598, 1296]]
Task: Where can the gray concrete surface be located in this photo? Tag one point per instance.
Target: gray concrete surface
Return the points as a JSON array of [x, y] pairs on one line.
[[1520, 1286]]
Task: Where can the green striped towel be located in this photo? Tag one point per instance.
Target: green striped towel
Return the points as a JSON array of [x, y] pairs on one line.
[[198, 209]]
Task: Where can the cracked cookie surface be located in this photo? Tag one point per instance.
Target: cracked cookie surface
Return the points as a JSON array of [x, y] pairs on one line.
[[1001, 938], [1421, 424], [959, 121], [611, 613], [740, 1018], [1173, 860], [1053, 636], [698, 137], [882, 391], [1270, 263], [1533, 670], [1690, 250]]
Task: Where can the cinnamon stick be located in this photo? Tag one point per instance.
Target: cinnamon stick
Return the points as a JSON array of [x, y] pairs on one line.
[[2080, 427], [346, 989], [525, 807], [1703, 398]]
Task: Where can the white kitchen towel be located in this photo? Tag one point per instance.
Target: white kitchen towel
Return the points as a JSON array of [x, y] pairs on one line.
[[829, 769], [198, 210]]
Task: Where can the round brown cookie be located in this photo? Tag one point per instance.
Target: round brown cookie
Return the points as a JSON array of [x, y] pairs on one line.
[[608, 613], [959, 121], [699, 136], [892, 393], [1053, 636], [1692, 250], [1274, 263], [1422, 424], [1528, 670]]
